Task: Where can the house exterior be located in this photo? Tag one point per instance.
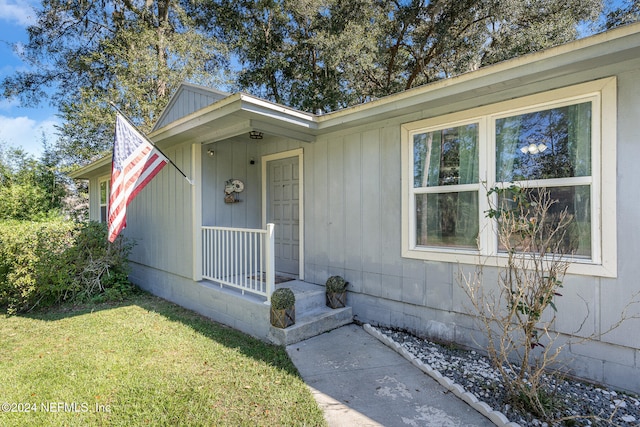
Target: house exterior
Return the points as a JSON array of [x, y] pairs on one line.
[[392, 196]]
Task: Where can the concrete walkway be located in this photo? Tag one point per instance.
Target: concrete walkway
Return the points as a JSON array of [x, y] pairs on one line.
[[359, 381]]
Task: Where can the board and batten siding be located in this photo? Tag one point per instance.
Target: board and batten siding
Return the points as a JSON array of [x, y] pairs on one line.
[[189, 100], [352, 200], [159, 219], [232, 160], [353, 228]]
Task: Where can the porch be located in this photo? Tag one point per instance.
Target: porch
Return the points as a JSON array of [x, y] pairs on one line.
[[240, 264]]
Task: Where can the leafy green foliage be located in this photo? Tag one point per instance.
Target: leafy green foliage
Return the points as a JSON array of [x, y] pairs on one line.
[[329, 54], [89, 53], [46, 263], [22, 201], [336, 284], [626, 13], [27, 252], [312, 55], [282, 299], [30, 189]]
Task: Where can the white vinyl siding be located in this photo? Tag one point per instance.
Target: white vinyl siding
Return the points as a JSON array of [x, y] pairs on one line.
[[562, 140]]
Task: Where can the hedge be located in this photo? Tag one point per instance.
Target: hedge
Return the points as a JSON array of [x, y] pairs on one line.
[[50, 262]]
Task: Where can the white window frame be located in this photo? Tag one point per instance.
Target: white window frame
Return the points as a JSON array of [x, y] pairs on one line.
[[602, 94], [106, 180]]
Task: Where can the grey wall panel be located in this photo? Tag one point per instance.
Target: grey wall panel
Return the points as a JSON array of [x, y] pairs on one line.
[[371, 202], [159, 219], [337, 191], [352, 190], [188, 100], [353, 225], [318, 216]]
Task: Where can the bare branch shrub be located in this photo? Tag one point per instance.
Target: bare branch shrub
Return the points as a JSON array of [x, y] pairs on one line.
[[514, 317], [517, 313]]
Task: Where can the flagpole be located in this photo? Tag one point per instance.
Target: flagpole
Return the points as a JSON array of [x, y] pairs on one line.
[[124, 116]]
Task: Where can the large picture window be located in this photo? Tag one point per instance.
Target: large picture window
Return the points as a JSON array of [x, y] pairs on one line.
[[552, 141]]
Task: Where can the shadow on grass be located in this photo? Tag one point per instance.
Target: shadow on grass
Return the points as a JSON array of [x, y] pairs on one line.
[[249, 346]]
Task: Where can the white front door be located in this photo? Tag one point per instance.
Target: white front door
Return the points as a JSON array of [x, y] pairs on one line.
[[283, 210]]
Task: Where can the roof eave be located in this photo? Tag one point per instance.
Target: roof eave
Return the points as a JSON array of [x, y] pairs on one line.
[[89, 170], [258, 114]]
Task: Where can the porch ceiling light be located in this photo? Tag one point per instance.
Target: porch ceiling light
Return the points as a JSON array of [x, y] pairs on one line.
[[533, 148], [254, 134]]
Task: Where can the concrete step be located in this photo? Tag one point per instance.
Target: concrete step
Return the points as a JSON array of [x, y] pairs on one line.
[[308, 296], [313, 317], [311, 324]]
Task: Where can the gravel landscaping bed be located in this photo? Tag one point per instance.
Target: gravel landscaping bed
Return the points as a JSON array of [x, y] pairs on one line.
[[474, 372]]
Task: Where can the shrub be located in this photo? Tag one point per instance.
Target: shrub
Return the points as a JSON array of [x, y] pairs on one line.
[[336, 284], [46, 263], [520, 340], [99, 265], [22, 202], [282, 299], [27, 250]]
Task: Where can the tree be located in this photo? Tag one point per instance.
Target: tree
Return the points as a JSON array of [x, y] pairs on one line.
[[134, 53], [516, 313], [291, 51], [30, 188], [49, 178], [627, 13], [308, 54], [330, 54]]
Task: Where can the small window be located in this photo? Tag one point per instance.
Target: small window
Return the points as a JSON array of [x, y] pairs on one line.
[[104, 200], [446, 186]]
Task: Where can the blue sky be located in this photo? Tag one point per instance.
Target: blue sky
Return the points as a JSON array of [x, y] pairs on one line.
[[20, 127]]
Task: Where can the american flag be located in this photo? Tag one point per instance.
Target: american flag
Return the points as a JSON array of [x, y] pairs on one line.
[[135, 162]]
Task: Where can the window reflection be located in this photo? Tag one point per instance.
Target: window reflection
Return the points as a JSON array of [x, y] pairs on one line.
[[447, 219], [446, 157], [573, 201], [554, 143]]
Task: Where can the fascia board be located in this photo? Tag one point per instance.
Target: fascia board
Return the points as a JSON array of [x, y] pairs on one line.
[[244, 107], [279, 112], [89, 170], [215, 111]]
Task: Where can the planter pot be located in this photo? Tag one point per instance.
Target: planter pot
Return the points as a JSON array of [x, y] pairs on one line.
[[336, 299], [283, 318]]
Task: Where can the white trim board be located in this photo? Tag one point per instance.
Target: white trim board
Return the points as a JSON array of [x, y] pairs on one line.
[[283, 155]]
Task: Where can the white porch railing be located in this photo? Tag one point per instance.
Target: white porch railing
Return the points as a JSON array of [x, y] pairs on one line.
[[240, 257]]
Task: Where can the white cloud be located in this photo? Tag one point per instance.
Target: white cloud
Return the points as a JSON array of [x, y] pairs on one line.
[[8, 104], [18, 12], [26, 133]]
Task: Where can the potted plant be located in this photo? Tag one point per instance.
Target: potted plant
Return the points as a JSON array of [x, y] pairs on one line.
[[283, 309], [336, 291]]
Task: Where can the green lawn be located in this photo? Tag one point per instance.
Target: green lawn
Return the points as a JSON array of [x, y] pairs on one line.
[[144, 362]]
